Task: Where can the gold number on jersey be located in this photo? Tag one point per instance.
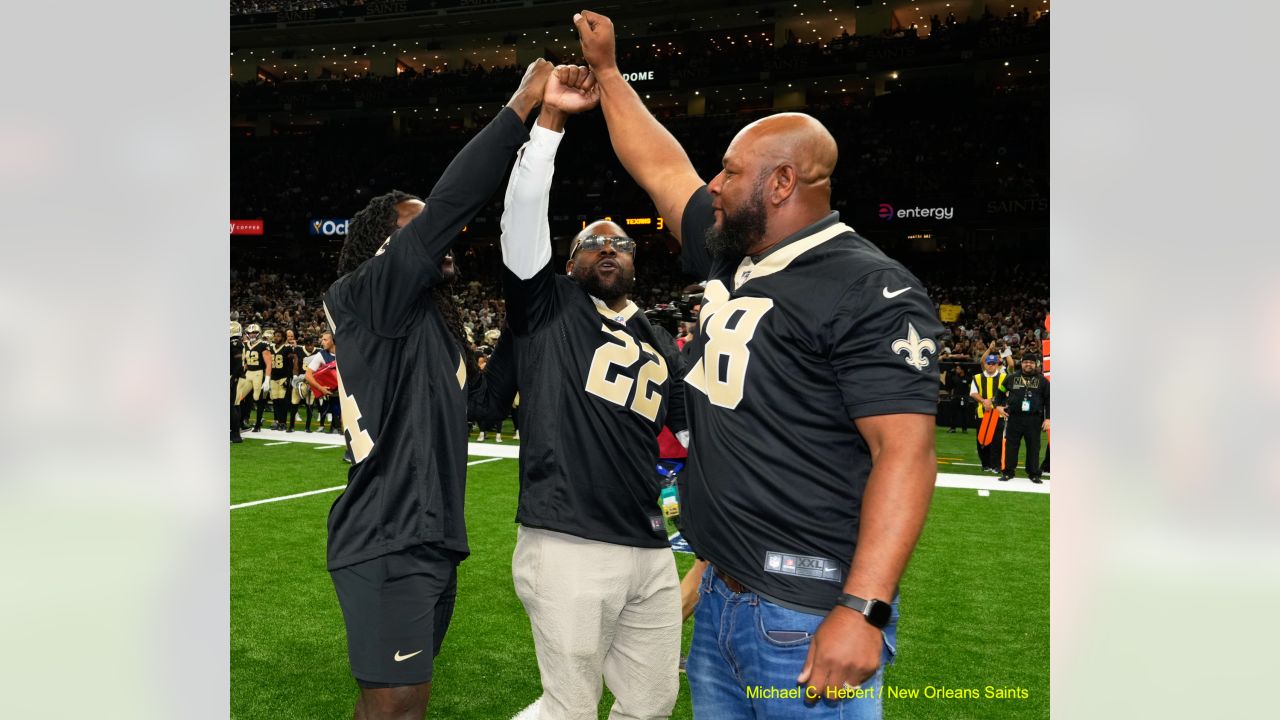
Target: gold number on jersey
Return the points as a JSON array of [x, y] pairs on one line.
[[251, 358], [361, 443], [728, 325], [277, 360], [647, 399]]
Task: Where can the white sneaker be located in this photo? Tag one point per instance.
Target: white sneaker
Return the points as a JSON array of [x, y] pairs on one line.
[[498, 438], [481, 438], [517, 437]]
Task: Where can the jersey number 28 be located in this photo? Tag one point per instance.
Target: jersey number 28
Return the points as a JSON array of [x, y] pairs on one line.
[[728, 325]]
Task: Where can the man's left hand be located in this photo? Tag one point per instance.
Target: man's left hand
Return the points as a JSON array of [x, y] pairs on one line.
[[845, 650]]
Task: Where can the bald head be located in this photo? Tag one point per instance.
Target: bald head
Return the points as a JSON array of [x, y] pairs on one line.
[[796, 139], [776, 180]]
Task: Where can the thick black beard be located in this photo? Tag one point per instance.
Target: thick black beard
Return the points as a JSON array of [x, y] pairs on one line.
[[741, 230], [591, 282]]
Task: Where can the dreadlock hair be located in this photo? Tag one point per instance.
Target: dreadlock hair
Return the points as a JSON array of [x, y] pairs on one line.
[[453, 320], [369, 228], [365, 234]]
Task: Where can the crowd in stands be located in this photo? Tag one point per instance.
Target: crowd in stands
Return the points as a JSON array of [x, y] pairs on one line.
[[922, 140], [280, 299], [997, 309], [700, 59], [253, 7]]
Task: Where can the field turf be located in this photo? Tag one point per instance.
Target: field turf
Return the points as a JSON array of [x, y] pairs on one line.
[[975, 599]]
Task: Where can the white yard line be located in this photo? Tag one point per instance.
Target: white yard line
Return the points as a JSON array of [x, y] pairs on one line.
[[481, 462], [336, 487], [286, 497], [989, 482], [282, 442]]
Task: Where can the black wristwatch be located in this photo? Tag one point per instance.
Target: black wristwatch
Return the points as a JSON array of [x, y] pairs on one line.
[[875, 611]]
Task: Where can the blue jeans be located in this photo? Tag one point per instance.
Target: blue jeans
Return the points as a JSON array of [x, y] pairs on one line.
[[745, 648]]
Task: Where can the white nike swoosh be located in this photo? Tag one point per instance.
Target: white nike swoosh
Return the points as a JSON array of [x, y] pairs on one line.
[[401, 658], [895, 293]]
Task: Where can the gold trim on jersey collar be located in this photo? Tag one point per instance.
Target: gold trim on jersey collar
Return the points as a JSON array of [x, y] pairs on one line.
[[778, 261], [625, 313]]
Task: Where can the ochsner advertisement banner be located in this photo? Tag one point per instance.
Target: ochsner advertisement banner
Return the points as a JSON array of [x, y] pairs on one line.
[[328, 227]]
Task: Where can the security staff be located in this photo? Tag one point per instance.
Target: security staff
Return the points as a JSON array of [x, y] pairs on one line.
[[1023, 398], [983, 391]]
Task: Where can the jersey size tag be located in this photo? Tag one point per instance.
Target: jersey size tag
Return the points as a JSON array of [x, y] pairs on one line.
[[817, 568]]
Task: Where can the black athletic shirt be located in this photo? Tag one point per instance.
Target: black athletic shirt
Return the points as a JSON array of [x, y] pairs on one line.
[[281, 361], [825, 328], [253, 355], [401, 376], [237, 358], [595, 390]]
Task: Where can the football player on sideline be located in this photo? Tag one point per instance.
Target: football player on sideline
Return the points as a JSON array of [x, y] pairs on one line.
[[283, 367], [294, 382], [397, 532], [237, 372], [807, 331], [592, 565], [257, 357]]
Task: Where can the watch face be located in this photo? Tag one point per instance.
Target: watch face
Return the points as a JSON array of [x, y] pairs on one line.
[[879, 612]]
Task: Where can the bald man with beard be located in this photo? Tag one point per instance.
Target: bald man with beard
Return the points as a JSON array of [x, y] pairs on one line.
[[811, 397]]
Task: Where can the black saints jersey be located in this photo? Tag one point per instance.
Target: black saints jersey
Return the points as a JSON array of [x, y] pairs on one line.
[[1024, 395], [237, 358], [401, 376], [281, 361], [595, 388], [255, 357], [793, 345]]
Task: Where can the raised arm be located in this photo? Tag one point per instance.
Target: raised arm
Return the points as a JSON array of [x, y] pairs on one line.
[[647, 150], [475, 172], [526, 234]]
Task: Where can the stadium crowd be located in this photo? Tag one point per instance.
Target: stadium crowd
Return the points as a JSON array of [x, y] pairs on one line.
[[693, 59], [991, 316], [253, 7]]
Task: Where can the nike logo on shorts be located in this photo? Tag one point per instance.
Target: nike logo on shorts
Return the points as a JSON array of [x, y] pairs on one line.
[[402, 658]]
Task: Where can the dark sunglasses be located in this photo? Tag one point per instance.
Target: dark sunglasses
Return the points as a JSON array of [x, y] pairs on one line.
[[620, 243]]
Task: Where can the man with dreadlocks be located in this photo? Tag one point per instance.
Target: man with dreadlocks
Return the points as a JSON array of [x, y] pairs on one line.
[[397, 533]]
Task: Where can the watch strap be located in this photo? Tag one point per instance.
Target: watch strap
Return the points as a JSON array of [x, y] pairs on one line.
[[865, 608]]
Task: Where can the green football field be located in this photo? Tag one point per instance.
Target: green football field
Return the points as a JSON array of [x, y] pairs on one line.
[[975, 599]]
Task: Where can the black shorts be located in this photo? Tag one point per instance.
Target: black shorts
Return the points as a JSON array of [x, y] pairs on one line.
[[397, 609]]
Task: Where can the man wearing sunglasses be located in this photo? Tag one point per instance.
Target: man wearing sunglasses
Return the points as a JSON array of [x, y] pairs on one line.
[[592, 565]]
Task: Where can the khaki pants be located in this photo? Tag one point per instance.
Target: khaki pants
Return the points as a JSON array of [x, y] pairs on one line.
[[278, 392], [250, 383], [599, 609]]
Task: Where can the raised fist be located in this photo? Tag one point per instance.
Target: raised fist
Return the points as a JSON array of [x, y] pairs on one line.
[[595, 31], [532, 85], [571, 89]]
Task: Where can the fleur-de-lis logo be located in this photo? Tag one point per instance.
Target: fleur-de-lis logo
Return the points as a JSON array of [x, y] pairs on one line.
[[916, 347]]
